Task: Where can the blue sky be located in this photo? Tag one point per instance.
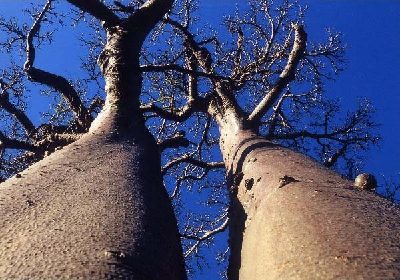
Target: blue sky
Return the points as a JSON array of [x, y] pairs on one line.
[[371, 31]]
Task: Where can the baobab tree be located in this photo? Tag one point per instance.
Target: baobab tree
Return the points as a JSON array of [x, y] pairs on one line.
[[284, 209], [61, 218], [260, 85]]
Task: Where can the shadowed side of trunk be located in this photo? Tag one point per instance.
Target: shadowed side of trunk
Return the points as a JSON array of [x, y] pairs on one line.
[[294, 219]]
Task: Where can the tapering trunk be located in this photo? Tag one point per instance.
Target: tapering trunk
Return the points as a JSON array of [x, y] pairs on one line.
[[96, 209], [291, 218]]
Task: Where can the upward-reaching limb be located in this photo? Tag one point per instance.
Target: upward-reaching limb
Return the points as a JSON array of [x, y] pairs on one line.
[[97, 9]]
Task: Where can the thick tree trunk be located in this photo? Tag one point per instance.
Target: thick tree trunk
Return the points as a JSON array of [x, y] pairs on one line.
[[97, 209], [291, 218]]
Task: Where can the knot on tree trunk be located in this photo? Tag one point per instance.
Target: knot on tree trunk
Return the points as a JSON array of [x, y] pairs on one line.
[[121, 51]]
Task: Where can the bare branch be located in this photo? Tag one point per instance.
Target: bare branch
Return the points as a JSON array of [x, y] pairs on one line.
[[96, 104], [8, 143], [304, 133], [154, 10], [180, 69], [287, 75], [184, 178], [176, 141], [331, 161], [122, 8], [18, 114], [68, 92], [188, 158], [54, 81], [97, 9], [178, 115], [30, 50], [202, 55], [205, 236], [277, 108], [194, 104], [148, 15]]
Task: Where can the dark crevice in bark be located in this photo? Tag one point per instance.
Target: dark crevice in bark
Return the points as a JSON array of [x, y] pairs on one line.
[[237, 218], [238, 156]]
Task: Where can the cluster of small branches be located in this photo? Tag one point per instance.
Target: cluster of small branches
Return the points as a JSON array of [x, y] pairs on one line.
[[251, 62], [262, 63]]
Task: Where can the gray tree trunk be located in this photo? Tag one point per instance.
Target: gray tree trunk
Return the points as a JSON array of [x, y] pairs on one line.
[[96, 209], [291, 218]]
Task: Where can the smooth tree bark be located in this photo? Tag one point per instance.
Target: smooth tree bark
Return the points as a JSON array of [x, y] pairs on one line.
[[290, 217], [97, 209]]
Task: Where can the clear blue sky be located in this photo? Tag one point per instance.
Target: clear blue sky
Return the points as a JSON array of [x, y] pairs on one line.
[[371, 30]]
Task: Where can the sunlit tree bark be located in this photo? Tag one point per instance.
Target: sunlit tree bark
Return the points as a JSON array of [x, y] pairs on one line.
[[292, 218]]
